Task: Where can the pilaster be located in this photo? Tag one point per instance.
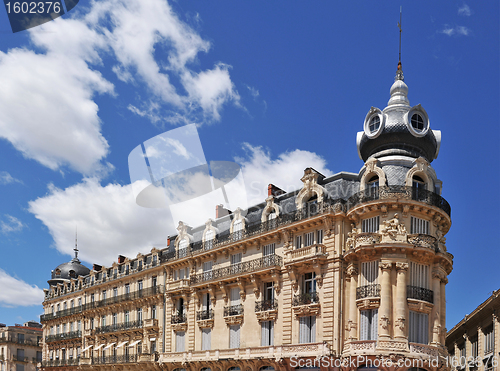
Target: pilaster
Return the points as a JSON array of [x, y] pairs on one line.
[[385, 299], [401, 301]]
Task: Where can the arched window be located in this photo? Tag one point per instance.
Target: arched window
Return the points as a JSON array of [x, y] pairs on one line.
[[183, 248], [372, 187], [237, 230], [209, 239], [271, 220], [418, 187]]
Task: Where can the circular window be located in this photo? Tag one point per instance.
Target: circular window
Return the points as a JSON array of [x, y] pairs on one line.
[[374, 123], [417, 121]]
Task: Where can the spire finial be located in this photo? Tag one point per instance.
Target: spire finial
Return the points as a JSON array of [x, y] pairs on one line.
[[76, 243], [399, 73]]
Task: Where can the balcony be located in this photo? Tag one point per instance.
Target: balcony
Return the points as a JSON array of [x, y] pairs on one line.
[[117, 327], [305, 253], [266, 310], [144, 293], [179, 322], [233, 315], [126, 358], [61, 313], [367, 239], [205, 318], [238, 269], [18, 358], [179, 285], [400, 192], [11, 339], [306, 304], [419, 293], [179, 318], [422, 240], [65, 336], [368, 291]]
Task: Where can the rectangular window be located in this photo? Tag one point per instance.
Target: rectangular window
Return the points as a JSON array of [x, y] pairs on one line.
[[420, 226], [370, 225], [419, 275], [298, 242], [115, 318], [139, 314], [237, 230], [488, 340], [319, 236], [154, 280], [268, 291], [307, 329], [309, 239], [369, 273], [236, 263], [103, 321], [234, 336], [103, 295], [235, 296], [127, 316], [206, 339], [267, 333], [368, 324], [309, 283], [127, 288], [180, 342], [269, 249], [153, 312], [153, 346], [79, 302], [418, 331], [474, 347], [79, 326], [115, 292], [139, 285], [206, 302], [207, 270], [72, 305], [91, 323]]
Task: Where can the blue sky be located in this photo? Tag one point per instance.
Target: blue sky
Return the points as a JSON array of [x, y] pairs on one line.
[[276, 87]]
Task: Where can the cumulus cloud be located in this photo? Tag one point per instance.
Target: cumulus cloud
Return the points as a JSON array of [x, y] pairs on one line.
[[111, 223], [6, 178], [457, 30], [47, 107], [464, 10], [17, 293], [285, 171], [11, 224]]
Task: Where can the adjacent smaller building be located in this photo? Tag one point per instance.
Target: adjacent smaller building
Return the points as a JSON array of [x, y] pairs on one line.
[[20, 346], [474, 342]]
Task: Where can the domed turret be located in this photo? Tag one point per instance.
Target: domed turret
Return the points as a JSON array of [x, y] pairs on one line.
[[399, 129], [65, 271]]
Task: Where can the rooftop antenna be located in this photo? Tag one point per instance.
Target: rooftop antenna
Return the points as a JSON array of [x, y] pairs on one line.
[[399, 74]]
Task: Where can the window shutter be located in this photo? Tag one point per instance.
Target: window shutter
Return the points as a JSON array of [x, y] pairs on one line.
[[265, 333], [374, 324], [298, 242], [419, 226], [312, 332], [206, 339], [206, 301], [363, 325], [370, 225], [234, 336], [419, 275], [235, 296], [369, 273], [180, 343], [269, 249], [320, 236]]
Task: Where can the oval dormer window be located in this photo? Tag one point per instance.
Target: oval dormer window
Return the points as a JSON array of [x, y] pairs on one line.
[[374, 123], [417, 121]]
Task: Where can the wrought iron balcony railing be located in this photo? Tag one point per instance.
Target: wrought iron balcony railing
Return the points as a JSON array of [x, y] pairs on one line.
[[179, 318], [265, 305], [305, 298], [400, 192], [249, 266], [368, 291], [61, 313], [150, 291], [67, 335], [12, 339], [125, 358], [60, 362], [419, 293], [204, 314], [130, 325], [17, 358], [233, 310]]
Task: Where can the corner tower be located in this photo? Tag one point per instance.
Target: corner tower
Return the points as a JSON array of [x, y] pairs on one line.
[[396, 258]]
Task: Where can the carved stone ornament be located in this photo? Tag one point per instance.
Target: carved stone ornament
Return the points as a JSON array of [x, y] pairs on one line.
[[384, 322], [420, 306], [269, 208], [351, 325], [393, 227], [352, 271], [310, 188], [328, 223], [351, 236], [400, 323], [267, 315], [385, 265], [402, 266], [206, 323], [312, 309], [234, 320], [179, 327]]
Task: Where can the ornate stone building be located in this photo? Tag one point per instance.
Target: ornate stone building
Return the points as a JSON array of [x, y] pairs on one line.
[[348, 265], [474, 342], [20, 347]]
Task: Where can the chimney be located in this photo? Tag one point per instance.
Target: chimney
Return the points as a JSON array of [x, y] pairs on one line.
[[168, 241], [97, 267], [121, 259], [220, 211], [272, 190]]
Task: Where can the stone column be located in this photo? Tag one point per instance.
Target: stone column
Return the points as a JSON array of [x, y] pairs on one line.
[[401, 302], [437, 276], [352, 271], [444, 281], [385, 299]]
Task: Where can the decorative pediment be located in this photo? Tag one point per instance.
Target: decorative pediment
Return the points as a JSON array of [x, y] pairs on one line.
[[310, 187], [372, 169], [420, 168], [269, 208]]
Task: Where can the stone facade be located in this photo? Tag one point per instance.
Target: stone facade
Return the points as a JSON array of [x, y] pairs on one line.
[[20, 347]]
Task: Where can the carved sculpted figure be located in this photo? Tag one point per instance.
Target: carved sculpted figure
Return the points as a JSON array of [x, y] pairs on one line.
[[350, 236], [393, 227]]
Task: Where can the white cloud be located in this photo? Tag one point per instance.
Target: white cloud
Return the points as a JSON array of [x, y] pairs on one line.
[[6, 178], [253, 92], [11, 225], [259, 169], [464, 10], [457, 30], [17, 293], [47, 107]]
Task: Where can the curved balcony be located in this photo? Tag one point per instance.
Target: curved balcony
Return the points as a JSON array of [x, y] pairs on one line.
[[368, 291], [367, 239], [131, 325], [419, 293], [422, 240], [399, 192]]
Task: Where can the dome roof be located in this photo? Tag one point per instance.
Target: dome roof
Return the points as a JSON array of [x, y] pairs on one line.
[[399, 129], [66, 271]]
